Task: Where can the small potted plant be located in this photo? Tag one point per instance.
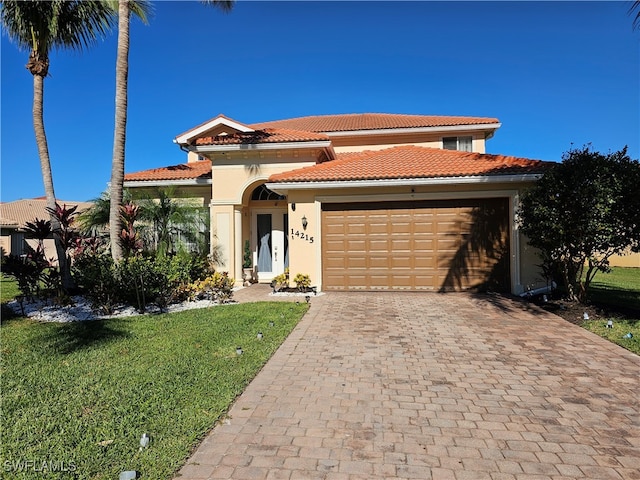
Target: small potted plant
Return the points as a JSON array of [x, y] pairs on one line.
[[247, 264]]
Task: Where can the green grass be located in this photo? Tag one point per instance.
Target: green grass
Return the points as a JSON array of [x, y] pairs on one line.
[[620, 288], [83, 393], [619, 293], [8, 288], [617, 334]]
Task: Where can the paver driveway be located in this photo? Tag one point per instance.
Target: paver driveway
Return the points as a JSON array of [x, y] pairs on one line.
[[432, 386]]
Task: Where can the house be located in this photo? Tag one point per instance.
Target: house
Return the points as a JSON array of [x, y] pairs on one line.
[[360, 201], [14, 217]]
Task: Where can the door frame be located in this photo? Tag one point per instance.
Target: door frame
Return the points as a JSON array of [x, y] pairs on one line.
[[278, 234]]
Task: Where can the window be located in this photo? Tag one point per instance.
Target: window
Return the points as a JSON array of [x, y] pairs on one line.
[[263, 193], [464, 144]]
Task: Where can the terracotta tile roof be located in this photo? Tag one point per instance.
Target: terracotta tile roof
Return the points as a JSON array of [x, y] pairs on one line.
[[267, 135], [411, 162], [370, 121], [18, 213], [184, 171]]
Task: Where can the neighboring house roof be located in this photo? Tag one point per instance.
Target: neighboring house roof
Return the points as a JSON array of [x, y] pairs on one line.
[[412, 162], [183, 171], [267, 135], [16, 214], [372, 121]]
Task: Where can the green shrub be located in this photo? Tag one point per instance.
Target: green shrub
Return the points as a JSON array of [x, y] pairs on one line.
[[217, 287], [302, 281], [281, 281], [95, 275], [138, 280], [247, 260], [32, 271]]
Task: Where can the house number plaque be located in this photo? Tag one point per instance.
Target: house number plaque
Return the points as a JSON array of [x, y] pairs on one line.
[[301, 236]]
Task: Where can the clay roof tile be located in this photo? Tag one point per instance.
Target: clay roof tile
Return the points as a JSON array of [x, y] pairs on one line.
[[411, 162]]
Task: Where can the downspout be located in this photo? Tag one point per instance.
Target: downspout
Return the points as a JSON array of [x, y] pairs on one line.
[[185, 150]]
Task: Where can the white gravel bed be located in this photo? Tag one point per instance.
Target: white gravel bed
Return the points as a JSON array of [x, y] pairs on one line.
[[81, 310]]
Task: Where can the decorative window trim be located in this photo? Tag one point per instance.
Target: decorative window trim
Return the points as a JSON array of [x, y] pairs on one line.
[[262, 193]]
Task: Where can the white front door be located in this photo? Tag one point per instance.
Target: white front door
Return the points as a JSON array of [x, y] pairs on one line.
[[271, 254]]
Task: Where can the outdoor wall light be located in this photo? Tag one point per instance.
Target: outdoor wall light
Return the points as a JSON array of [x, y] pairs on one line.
[[293, 207], [304, 222]]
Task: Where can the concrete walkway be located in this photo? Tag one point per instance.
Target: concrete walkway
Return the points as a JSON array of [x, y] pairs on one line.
[[431, 386]]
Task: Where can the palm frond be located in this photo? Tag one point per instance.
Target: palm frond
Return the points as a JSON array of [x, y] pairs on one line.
[[40, 26], [224, 5], [635, 9]]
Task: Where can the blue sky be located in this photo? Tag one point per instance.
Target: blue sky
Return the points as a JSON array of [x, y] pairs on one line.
[[556, 74]]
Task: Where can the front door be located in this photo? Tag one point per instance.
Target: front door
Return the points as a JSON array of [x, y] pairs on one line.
[[271, 254]]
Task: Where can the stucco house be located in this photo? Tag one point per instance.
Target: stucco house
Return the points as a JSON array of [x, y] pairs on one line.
[[360, 201], [14, 217]]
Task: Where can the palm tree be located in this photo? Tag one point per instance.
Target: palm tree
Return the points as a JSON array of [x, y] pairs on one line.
[[140, 8], [94, 221], [39, 26], [169, 221]]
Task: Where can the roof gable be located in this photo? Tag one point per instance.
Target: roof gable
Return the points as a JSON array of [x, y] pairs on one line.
[[218, 126], [405, 162]]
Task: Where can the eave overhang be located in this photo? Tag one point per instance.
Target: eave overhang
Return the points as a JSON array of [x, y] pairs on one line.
[[400, 131], [166, 183], [399, 182]]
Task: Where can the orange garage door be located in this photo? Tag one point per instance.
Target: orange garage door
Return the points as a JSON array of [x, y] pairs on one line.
[[426, 245]]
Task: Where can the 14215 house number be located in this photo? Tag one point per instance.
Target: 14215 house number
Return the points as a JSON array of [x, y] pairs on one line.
[[301, 235]]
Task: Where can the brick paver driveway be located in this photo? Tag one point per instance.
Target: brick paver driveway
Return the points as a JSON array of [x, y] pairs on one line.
[[432, 386]]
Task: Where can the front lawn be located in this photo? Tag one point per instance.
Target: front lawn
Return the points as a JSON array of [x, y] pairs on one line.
[[78, 396], [8, 288], [619, 289], [617, 296]]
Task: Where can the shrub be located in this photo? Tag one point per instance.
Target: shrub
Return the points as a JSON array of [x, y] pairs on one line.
[[302, 281], [281, 281], [30, 270], [217, 287], [138, 280], [95, 274], [247, 261]]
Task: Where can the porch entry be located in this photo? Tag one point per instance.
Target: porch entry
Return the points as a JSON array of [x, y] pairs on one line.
[[271, 254]]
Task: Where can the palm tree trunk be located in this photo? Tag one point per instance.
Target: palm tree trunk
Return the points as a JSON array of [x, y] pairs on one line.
[[47, 177], [120, 130]]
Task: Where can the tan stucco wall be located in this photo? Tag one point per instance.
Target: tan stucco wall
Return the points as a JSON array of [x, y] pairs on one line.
[[379, 142], [235, 176], [630, 260], [5, 243]]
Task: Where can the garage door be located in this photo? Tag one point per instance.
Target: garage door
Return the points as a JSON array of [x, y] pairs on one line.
[[427, 245]]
